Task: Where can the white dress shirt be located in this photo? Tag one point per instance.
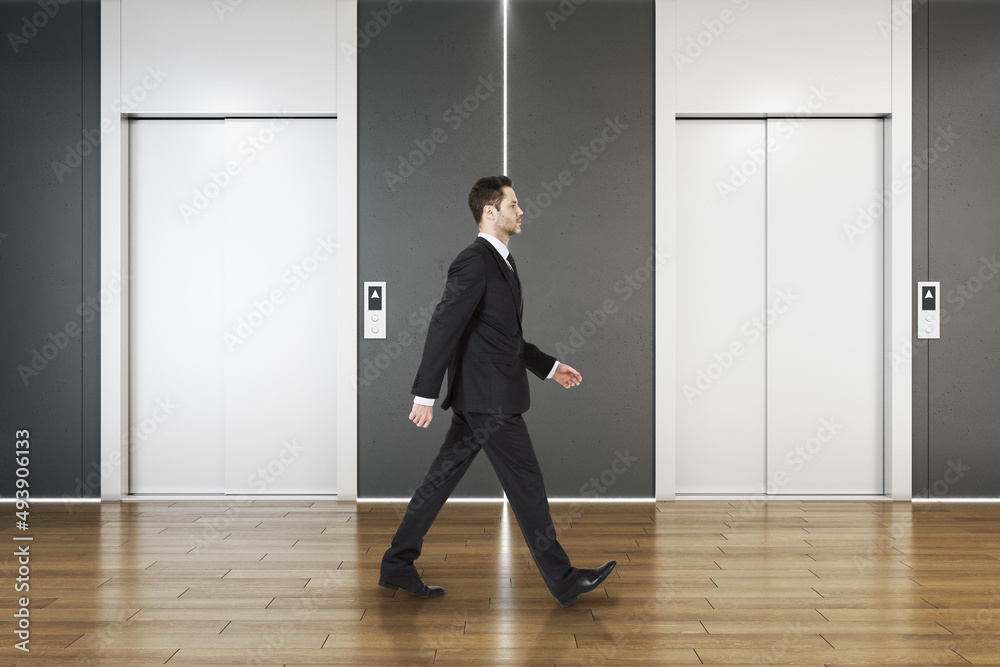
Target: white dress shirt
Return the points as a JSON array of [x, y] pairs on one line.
[[502, 249]]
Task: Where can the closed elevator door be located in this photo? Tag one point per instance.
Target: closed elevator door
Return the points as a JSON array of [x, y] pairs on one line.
[[779, 282], [233, 268]]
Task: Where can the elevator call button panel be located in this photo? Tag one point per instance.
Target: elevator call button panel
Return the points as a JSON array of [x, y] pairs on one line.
[[373, 322], [929, 310]]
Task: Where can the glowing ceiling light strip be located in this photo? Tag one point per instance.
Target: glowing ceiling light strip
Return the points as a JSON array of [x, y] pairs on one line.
[[504, 170]]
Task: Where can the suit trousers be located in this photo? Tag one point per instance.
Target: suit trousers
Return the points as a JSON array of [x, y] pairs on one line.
[[508, 447]]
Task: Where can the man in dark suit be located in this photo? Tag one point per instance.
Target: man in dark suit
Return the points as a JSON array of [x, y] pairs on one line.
[[475, 334]]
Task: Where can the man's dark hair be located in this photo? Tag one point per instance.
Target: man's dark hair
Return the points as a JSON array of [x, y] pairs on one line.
[[487, 190]]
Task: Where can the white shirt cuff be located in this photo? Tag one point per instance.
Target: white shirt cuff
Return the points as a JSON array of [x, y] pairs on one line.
[[553, 371], [419, 400]]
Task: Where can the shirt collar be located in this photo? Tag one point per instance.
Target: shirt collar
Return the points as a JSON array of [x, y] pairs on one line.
[[497, 243]]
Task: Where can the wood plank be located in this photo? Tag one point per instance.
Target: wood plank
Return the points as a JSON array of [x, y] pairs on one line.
[[707, 582]]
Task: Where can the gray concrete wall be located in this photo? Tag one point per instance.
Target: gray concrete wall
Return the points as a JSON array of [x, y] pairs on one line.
[[49, 248], [957, 241], [413, 216], [588, 78], [581, 152]]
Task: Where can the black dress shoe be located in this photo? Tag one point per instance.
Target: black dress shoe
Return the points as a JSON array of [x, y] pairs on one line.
[[586, 581], [412, 584]]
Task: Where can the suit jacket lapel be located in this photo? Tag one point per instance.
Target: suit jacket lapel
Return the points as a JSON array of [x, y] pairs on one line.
[[515, 290]]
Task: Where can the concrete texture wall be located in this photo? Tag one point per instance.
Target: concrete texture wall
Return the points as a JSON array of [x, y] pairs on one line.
[[957, 241], [49, 245], [580, 145]]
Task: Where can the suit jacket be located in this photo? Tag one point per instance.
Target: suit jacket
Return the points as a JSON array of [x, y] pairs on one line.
[[475, 334]]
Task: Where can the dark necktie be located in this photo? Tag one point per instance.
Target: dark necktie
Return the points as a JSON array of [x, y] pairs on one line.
[[513, 266]]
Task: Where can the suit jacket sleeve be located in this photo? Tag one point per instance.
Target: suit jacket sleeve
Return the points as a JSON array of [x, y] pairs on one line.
[[537, 361], [462, 293]]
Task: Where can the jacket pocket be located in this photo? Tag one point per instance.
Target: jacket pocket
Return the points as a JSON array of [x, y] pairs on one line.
[[495, 358]]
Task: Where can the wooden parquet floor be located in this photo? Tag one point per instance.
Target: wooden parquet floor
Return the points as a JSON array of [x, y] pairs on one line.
[[290, 583]]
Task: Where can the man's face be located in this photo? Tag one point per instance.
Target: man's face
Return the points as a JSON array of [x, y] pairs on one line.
[[509, 213]]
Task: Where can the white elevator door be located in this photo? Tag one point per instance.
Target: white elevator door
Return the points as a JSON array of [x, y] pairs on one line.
[[824, 356], [779, 306], [176, 309], [233, 249], [720, 298]]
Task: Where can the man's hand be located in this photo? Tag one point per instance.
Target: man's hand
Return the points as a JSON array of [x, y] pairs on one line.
[[421, 415], [567, 376]]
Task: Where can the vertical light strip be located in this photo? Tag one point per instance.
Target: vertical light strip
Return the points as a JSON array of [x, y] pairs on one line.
[[504, 169]]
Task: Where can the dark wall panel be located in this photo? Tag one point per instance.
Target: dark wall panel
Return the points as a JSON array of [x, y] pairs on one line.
[[49, 250], [581, 155], [962, 204], [424, 137], [920, 247]]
